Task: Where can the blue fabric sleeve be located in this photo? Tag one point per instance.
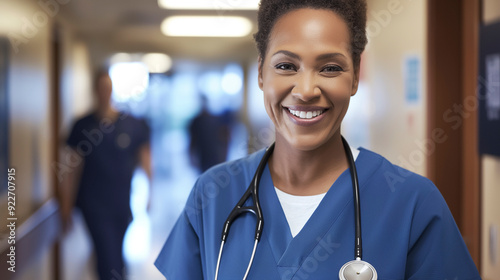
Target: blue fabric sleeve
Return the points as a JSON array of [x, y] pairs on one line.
[[180, 257], [436, 249]]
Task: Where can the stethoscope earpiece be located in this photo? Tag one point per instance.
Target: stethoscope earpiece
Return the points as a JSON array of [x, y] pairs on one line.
[[357, 270]]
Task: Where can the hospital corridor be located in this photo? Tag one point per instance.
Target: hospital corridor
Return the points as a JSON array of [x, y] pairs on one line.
[[118, 120]]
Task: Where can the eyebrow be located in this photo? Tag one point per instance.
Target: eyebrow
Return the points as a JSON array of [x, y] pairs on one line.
[[329, 56], [287, 53], [320, 57]]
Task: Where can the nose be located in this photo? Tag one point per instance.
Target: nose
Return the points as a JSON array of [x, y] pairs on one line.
[[306, 88]]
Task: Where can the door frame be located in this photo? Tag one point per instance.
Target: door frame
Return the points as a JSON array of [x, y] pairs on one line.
[[452, 45]]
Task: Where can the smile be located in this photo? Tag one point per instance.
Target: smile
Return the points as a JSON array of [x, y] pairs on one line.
[[306, 114]]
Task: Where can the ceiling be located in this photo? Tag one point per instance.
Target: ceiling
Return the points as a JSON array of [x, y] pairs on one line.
[[110, 26]]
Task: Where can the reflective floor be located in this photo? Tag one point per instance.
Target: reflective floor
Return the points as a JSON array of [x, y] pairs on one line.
[[148, 231], [149, 228]]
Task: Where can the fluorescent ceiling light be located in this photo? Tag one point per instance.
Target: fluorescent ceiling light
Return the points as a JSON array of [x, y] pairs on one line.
[[157, 62], [209, 4], [206, 26], [120, 57]]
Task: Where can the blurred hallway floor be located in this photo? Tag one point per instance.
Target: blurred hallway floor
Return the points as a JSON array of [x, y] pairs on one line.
[[145, 238], [148, 230]]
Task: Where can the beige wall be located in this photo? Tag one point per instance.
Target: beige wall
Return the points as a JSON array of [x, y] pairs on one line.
[[29, 94], [30, 89], [490, 185], [491, 216], [76, 100], [76, 80], [30, 132], [396, 30], [491, 11], [29, 27]]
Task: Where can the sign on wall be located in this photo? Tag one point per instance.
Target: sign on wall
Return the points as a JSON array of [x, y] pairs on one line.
[[489, 90], [412, 79]]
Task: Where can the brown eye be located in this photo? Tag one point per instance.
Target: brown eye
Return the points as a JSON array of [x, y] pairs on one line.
[[332, 69], [286, 67]]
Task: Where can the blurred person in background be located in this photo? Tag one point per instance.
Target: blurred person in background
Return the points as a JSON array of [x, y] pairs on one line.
[[108, 145], [209, 138]]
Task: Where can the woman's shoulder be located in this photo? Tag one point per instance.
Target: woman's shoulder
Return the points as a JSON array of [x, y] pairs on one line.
[[225, 173], [399, 188], [225, 182], [395, 178]]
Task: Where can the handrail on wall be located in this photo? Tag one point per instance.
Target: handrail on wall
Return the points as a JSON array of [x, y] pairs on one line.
[[34, 236]]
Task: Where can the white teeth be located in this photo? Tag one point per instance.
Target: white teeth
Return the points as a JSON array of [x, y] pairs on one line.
[[306, 114]]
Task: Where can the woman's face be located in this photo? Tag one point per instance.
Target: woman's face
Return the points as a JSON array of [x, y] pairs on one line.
[[308, 77]]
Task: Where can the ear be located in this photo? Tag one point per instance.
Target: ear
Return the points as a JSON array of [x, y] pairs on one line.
[[261, 81], [355, 82]]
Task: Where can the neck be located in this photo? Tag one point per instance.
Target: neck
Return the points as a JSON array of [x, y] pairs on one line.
[[307, 172], [107, 112]]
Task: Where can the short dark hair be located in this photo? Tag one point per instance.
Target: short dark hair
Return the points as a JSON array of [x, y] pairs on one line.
[[352, 11]]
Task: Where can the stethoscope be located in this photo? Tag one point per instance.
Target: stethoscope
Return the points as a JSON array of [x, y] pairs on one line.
[[355, 269]]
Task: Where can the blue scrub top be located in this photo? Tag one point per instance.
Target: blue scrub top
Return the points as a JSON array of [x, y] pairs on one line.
[[111, 154], [408, 230]]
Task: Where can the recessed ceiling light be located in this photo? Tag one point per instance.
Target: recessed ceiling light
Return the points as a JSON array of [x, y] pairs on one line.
[[206, 26], [209, 5]]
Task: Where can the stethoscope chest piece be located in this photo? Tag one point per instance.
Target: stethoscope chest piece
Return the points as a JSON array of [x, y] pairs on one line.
[[359, 270]]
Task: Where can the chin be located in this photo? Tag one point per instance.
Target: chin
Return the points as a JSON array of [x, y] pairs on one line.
[[308, 142]]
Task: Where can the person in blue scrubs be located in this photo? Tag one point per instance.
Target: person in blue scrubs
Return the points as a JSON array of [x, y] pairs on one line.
[[309, 58], [106, 146]]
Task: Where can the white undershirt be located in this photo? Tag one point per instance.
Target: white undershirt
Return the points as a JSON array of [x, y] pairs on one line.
[[299, 209]]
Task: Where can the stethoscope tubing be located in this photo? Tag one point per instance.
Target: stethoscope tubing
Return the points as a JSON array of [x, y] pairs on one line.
[[358, 244], [252, 191]]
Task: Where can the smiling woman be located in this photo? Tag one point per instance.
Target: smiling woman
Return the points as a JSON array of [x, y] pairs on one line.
[[308, 68], [304, 190]]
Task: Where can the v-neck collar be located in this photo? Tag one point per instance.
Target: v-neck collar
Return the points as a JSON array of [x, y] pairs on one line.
[[288, 252]]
